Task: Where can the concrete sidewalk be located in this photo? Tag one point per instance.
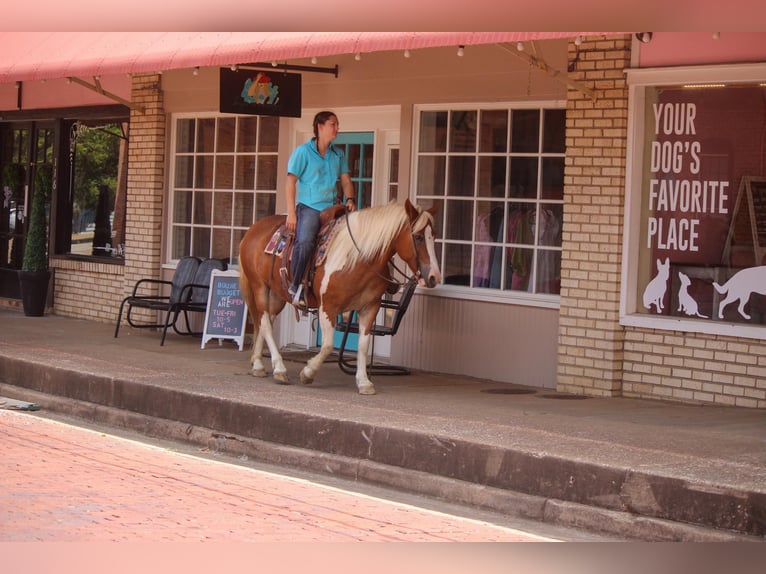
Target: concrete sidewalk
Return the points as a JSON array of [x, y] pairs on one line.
[[638, 469]]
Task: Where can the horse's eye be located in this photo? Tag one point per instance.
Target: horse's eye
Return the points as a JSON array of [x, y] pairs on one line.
[[419, 238]]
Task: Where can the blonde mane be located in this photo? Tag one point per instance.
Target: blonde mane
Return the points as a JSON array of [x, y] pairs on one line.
[[373, 229]]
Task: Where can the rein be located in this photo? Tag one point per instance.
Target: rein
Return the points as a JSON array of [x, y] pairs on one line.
[[403, 274]]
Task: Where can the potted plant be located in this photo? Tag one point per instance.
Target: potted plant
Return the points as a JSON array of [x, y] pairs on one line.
[[35, 275]]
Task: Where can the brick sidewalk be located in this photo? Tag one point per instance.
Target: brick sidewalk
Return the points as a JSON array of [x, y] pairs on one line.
[[63, 483]]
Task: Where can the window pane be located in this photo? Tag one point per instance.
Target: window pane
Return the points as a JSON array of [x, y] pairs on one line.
[[181, 242], [223, 208], [203, 203], [519, 268], [205, 135], [548, 272], [182, 207], [201, 242], [433, 132], [554, 131], [267, 172], [248, 134], [463, 131], [265, 204], [224, 171], [521, 217], [204, 175], [492, 172], [493, 131], [185, 136], [490, 221], [457, 264], [184, 171], [548, 227], [525, 135], [553, 178], [221, 243], [243, 209], [226, 131], [245, 172], [523, 177], [461, 176], [431, 175], [459, 220], [268, 138]]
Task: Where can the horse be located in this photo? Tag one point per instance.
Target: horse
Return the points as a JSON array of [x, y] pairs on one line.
[[353, 276]]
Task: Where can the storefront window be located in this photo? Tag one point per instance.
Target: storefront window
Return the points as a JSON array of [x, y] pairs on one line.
[[98, 153], [700, 233], [224, 178], [498, 175]]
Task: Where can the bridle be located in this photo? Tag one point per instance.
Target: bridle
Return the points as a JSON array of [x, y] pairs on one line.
[[416, 238]]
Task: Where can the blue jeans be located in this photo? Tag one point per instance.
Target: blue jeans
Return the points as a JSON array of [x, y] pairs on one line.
[[306, 229]]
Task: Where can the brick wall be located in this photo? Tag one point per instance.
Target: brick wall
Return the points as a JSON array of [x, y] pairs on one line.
[[87, 289], [590, 337], [693, 367]]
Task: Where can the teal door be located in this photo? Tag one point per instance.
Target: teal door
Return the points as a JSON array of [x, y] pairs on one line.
[[359, 148]]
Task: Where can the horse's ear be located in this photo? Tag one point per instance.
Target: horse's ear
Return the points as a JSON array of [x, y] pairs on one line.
[[412, 211], [434, 209]]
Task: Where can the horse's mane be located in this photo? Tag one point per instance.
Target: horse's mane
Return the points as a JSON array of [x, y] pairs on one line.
[[373, 229]]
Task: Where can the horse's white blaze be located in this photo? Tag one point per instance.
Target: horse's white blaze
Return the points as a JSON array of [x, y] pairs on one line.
[[431, 248]]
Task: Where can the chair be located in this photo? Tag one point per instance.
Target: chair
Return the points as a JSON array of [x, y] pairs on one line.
[[188, 293], [348, 365]]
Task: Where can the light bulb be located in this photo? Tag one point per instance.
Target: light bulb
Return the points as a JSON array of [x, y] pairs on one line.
[[314, 60], [406, 53], [461, 51], [358, 56], [520, 46]]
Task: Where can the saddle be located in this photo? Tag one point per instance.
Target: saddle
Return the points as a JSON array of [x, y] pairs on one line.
[[282, 243]]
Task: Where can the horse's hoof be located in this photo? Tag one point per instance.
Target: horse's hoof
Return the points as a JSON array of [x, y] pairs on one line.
[[258, 373], [305, 379], [366, 389], [281, 378]]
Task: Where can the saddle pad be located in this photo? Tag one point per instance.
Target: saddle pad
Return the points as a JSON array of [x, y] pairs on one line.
[[277, 243], [325, 236]]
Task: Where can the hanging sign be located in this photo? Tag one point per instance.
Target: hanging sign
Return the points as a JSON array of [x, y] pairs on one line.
[[260, 92]]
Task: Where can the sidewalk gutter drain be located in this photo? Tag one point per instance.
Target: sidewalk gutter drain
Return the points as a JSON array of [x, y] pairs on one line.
[[509, 391], [564, 396]]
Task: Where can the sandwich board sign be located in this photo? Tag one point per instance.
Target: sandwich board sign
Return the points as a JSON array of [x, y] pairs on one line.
[[226, 314]]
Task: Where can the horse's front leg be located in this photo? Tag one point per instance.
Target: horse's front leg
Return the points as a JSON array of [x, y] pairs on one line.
[[363, 383], [279, 371], [328, 327]]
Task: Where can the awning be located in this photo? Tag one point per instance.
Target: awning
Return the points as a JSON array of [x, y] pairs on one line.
[[48, 55]]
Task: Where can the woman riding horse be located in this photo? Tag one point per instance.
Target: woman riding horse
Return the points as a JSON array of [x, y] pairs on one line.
[[352, 277]]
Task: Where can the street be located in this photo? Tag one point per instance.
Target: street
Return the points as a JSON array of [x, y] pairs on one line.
[[59, 482]]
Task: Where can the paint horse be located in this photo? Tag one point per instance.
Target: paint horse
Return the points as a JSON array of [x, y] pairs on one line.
[[353, 276]]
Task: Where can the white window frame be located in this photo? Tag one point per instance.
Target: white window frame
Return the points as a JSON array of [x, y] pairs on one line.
[[171, 178], [544, 300], [638, 81]]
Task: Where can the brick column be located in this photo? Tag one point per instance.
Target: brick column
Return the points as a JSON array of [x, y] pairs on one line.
[[146, 180], [590, 337]]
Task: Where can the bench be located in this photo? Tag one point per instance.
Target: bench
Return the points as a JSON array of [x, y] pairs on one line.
[[188, 294]]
